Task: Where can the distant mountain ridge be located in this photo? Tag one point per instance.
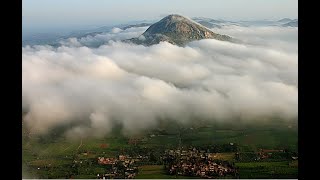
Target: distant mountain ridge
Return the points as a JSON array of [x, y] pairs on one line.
[[292, 23], [135, 25], [285, 20]]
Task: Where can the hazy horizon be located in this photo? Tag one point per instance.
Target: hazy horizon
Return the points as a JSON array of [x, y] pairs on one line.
[[50, 16]]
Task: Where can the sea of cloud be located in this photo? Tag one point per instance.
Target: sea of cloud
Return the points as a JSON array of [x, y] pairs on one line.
[[97, 81]]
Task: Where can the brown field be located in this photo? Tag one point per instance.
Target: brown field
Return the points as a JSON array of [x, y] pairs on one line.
[[224, 156]]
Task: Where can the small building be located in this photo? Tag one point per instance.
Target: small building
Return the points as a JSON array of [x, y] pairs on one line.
[[122, 157]]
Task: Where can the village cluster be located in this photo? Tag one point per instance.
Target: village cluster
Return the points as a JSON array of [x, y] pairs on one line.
[[124, 166], [190, 162], [197, 163]]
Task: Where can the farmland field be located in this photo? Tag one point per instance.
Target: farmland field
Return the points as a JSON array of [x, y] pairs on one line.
[[156, 172], [267, 170], [54, 157]]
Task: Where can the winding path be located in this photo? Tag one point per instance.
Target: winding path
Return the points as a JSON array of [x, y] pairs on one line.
[[80, 144]]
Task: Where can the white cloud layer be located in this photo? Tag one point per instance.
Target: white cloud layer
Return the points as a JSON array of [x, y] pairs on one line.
[[134, 85], [96, 40]]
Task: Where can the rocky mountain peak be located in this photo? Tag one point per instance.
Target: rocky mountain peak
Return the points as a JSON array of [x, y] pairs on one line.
[[178, 30]]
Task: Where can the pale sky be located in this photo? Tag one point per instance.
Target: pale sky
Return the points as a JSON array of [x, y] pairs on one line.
[[70, 14]]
